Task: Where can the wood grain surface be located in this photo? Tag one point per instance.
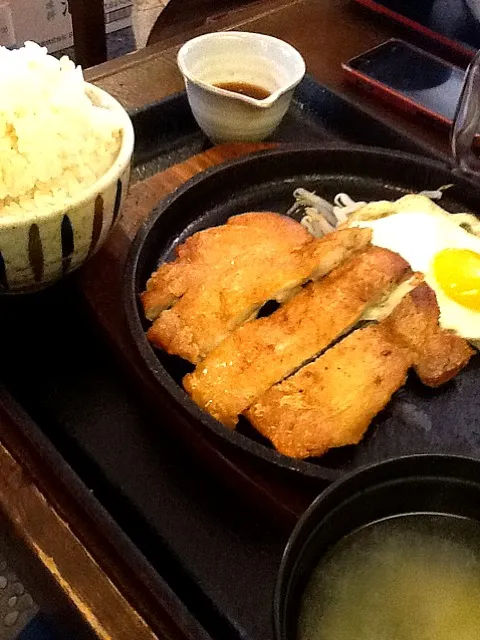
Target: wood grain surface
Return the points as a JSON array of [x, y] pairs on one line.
[[76, 573], [60, 550], [326, 32]]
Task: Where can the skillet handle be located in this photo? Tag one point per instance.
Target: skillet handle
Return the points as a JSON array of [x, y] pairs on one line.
[[466, 123]]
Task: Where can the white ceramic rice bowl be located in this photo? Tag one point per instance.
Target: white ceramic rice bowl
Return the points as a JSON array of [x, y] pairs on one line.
[[37, 250]]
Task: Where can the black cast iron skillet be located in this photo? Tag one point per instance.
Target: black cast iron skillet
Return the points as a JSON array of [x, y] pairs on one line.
[[435, 484], [417, 420]]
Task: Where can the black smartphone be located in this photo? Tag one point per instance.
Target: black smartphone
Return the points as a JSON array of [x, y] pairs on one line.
[[410, 78]]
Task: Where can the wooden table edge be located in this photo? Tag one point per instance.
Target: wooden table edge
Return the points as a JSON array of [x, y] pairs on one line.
[[229, 22], [47, 518]]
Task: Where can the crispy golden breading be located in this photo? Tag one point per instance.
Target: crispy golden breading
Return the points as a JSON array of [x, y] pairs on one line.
[[250, 237], [331, 402], [439, 354], [262, 352], [206, 314]]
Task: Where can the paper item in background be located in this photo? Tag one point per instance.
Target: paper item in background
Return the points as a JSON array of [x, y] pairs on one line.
[[49, 23], [7, 31]]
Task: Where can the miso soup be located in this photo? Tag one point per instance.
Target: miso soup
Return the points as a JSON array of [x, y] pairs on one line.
[[414, 577]]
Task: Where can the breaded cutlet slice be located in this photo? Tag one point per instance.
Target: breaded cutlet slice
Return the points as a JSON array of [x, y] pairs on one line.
[[331, 402], [439, 354], [262, 352], [206, 314], [212, 253]]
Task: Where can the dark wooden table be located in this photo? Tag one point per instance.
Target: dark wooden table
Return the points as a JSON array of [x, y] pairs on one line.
[[326, 32], [65, 541]]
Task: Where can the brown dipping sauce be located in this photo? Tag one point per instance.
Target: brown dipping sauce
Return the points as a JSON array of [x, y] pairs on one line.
[[245, 89]]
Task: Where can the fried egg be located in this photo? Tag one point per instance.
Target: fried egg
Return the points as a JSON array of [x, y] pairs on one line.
[[433, 242]]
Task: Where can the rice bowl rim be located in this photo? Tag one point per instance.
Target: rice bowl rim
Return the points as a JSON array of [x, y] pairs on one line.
[[122, 160]]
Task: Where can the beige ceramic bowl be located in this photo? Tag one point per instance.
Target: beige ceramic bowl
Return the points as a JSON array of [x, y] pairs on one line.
[[239, 57], [36, 250]]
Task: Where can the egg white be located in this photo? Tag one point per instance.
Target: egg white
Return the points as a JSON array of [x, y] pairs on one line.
[[418, 230]]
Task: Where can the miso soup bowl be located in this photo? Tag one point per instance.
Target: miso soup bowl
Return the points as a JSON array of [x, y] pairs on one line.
[[239, 57], [435, 484]]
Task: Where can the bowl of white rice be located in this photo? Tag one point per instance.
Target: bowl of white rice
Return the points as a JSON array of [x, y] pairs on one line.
[[65, 154]]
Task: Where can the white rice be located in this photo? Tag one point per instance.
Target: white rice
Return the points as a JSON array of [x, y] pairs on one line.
[[54, 143]]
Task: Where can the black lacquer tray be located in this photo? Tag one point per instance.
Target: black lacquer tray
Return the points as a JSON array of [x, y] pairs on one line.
[[216, 553]]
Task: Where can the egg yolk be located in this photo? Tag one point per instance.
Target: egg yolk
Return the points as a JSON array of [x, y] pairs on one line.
[[457, 271]]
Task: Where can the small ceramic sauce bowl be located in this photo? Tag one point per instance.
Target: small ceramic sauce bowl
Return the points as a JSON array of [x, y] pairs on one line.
[[238, 58]]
